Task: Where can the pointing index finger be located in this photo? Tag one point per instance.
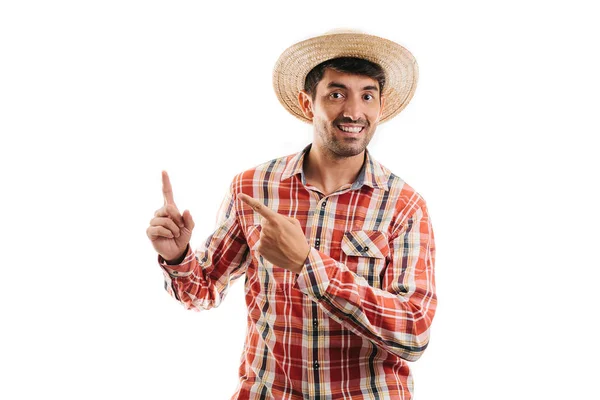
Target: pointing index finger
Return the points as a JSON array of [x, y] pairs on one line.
[[167, 189], [257, 206]]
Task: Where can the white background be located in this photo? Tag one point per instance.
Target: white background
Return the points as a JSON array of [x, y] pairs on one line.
[[96, 98]]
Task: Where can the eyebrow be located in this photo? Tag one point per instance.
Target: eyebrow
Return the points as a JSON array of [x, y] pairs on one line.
[[342, 86]]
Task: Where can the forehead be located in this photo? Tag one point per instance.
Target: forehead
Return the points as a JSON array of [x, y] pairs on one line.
[[350, 81]]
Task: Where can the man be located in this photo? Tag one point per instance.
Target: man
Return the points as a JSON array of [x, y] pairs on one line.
[[338, 252]]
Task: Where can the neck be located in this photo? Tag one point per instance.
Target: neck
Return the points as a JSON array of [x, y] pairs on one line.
[[329, 173]]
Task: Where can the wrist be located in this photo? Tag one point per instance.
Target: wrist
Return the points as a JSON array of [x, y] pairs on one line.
[[300, 264], [177, 260]]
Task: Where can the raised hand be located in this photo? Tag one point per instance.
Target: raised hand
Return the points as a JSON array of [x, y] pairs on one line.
[[282, 241], [170, 231]]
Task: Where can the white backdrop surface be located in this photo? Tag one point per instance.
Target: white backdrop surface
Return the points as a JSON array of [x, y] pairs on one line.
[[96, 98]]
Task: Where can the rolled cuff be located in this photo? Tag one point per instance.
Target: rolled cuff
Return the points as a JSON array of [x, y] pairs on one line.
[[179, 270], [314, 278]]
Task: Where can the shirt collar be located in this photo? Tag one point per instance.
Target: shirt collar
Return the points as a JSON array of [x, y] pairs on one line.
[[371, 174]]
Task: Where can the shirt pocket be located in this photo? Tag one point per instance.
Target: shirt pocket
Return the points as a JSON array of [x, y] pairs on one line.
[[366, 254]]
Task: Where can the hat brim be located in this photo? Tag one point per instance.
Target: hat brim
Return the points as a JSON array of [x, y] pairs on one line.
[[399, 65]]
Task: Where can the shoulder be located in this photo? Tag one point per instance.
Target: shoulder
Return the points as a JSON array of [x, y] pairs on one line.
[[268, 172], [408, 201]]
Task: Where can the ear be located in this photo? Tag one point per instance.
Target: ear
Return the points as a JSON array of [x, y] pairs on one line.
[[305, 101], [382, 107]]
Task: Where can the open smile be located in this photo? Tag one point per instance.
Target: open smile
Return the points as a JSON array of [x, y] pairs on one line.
[[354, 129]]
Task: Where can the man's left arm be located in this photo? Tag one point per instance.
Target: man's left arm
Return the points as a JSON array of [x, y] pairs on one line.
[[396, 317]]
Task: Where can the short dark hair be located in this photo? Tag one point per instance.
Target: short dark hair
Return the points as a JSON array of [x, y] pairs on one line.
[[351, 65]]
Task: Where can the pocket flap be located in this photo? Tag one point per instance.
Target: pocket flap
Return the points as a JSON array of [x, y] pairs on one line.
[[365, 244]]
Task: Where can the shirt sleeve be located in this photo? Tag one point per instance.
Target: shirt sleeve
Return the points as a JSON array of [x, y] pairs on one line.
[[396, 317], [204, 276]]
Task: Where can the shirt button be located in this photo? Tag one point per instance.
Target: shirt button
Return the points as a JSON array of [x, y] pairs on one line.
[[365, 249], [323, 204], [315, 323], [316, 365], [175, 272]]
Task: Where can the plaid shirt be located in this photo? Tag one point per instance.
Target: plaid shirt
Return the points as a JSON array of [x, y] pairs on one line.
[[361, 307]]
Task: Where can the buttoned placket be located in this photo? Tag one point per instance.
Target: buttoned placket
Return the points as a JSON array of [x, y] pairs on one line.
[[317, 242], [316, 239]]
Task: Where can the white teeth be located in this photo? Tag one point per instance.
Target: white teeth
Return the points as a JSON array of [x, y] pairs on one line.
[[354, 129]]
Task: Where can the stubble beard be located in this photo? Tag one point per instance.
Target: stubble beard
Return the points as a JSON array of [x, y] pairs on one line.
[[345, 147]]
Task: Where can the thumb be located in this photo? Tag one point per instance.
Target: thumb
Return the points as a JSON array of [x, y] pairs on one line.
[[294, 221], [188, 222]]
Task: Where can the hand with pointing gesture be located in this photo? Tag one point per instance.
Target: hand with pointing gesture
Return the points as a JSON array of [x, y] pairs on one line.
[[282, 241], [170, 231]]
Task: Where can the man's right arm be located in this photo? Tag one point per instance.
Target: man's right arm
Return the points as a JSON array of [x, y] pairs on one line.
[[200, 280]]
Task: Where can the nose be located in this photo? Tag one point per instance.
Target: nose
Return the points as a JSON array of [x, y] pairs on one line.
[[352, 109]]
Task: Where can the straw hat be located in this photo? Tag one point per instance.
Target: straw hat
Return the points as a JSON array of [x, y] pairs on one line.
[[399, 65]]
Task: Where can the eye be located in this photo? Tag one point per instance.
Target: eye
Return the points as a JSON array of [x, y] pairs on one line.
[[368, 97], [336, 95]]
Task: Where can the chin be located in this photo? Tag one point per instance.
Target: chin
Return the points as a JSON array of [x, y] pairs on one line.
[[348, 152]]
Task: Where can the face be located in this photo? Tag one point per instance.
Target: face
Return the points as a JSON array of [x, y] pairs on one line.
[[345, 112]]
